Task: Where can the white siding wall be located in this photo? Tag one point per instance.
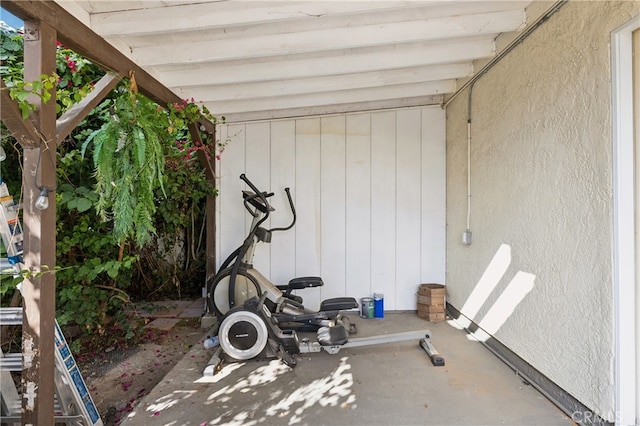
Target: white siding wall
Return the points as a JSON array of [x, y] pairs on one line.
[[369, 191]]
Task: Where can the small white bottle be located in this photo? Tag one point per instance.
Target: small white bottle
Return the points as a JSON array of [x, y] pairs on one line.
[[211, 342]]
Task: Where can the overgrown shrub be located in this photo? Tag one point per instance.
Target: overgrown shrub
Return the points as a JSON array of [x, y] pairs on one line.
[[98, 273]]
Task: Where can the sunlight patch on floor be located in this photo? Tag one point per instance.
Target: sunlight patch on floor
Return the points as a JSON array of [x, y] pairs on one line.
[[222, 374], [330, 391], [289, 406], [167, 401]]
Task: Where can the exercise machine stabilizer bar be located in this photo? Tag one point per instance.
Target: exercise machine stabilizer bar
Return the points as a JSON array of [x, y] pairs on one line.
[[436, 359]]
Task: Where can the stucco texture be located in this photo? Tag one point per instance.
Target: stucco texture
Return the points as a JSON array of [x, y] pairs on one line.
[[541, 209]]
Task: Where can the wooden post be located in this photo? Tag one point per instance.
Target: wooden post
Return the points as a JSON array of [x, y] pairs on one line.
[[211, 234], [208, 164], [38, 291]]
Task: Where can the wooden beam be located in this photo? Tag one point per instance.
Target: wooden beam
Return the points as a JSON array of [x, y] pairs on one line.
[[202, 156], [300, 66], [329, 98], [22, 130], [261, 17], [276, 114], [73, 34], [208, 163], [74, 115], [210, 243], [82, 40], [304, 86], [198, 48], [222, 15], [38, 291]]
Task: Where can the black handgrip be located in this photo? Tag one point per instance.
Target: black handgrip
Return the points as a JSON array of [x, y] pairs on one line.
[[260, 194], [246, 206], [293, 210], [255, 200], [248, 182]]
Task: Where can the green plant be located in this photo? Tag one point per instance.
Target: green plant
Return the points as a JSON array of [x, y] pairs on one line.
[[76, 77], [21, 91], [93, 284], [129, 162], [97, 274], [11, 66]]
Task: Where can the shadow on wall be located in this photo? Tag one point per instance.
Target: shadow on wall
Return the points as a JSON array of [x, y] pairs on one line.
[[521, 284]]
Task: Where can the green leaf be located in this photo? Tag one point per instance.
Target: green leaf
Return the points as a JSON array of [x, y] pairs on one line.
[[112, 271], [72, 203], [83, 205], [24, 109], [19, 95]]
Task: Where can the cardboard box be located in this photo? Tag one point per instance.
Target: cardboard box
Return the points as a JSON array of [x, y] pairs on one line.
[[430, 309], [431, 290], [434, 317], [428, 300]]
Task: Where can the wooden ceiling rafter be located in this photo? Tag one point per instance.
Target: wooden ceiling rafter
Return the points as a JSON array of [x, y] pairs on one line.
[[75, 35], [252, 60], [74, 115]]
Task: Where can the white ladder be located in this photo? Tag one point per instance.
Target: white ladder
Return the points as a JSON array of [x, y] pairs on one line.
[[72, 401]]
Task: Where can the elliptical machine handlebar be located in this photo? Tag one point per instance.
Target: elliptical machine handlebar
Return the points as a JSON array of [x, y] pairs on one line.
[[255, 200], [293, 211], [258, 194], [259, 200]]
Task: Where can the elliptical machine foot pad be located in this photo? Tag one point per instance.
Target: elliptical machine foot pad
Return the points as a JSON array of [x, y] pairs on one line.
[[332, 336]]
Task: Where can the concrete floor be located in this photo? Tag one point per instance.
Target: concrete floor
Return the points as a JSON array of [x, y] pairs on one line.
[[386, 384]]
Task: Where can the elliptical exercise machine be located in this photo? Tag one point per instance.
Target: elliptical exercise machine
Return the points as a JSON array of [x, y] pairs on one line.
[[238, 281]]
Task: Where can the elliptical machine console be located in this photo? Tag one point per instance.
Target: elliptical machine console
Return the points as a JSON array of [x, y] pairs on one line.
[[238, 281]]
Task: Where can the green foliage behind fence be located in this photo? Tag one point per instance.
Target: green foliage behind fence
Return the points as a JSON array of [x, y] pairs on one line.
[[98, 271]]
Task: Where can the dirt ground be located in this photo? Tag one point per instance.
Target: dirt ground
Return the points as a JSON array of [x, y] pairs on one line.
[[118, 380]]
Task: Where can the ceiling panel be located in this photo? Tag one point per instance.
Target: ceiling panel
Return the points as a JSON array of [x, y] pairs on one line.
[[253, 60]]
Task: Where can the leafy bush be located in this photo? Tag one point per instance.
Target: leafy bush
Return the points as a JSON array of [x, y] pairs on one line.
[[101, 269]]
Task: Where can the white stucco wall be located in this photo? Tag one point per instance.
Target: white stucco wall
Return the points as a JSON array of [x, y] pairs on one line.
[[369, 190], [538, 274]]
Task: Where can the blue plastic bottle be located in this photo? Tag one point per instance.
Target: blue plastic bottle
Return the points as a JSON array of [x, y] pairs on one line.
[[378, 305]]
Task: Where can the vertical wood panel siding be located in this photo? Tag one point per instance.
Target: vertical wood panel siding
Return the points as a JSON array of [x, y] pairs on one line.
[[283, 175], [369, 190]]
